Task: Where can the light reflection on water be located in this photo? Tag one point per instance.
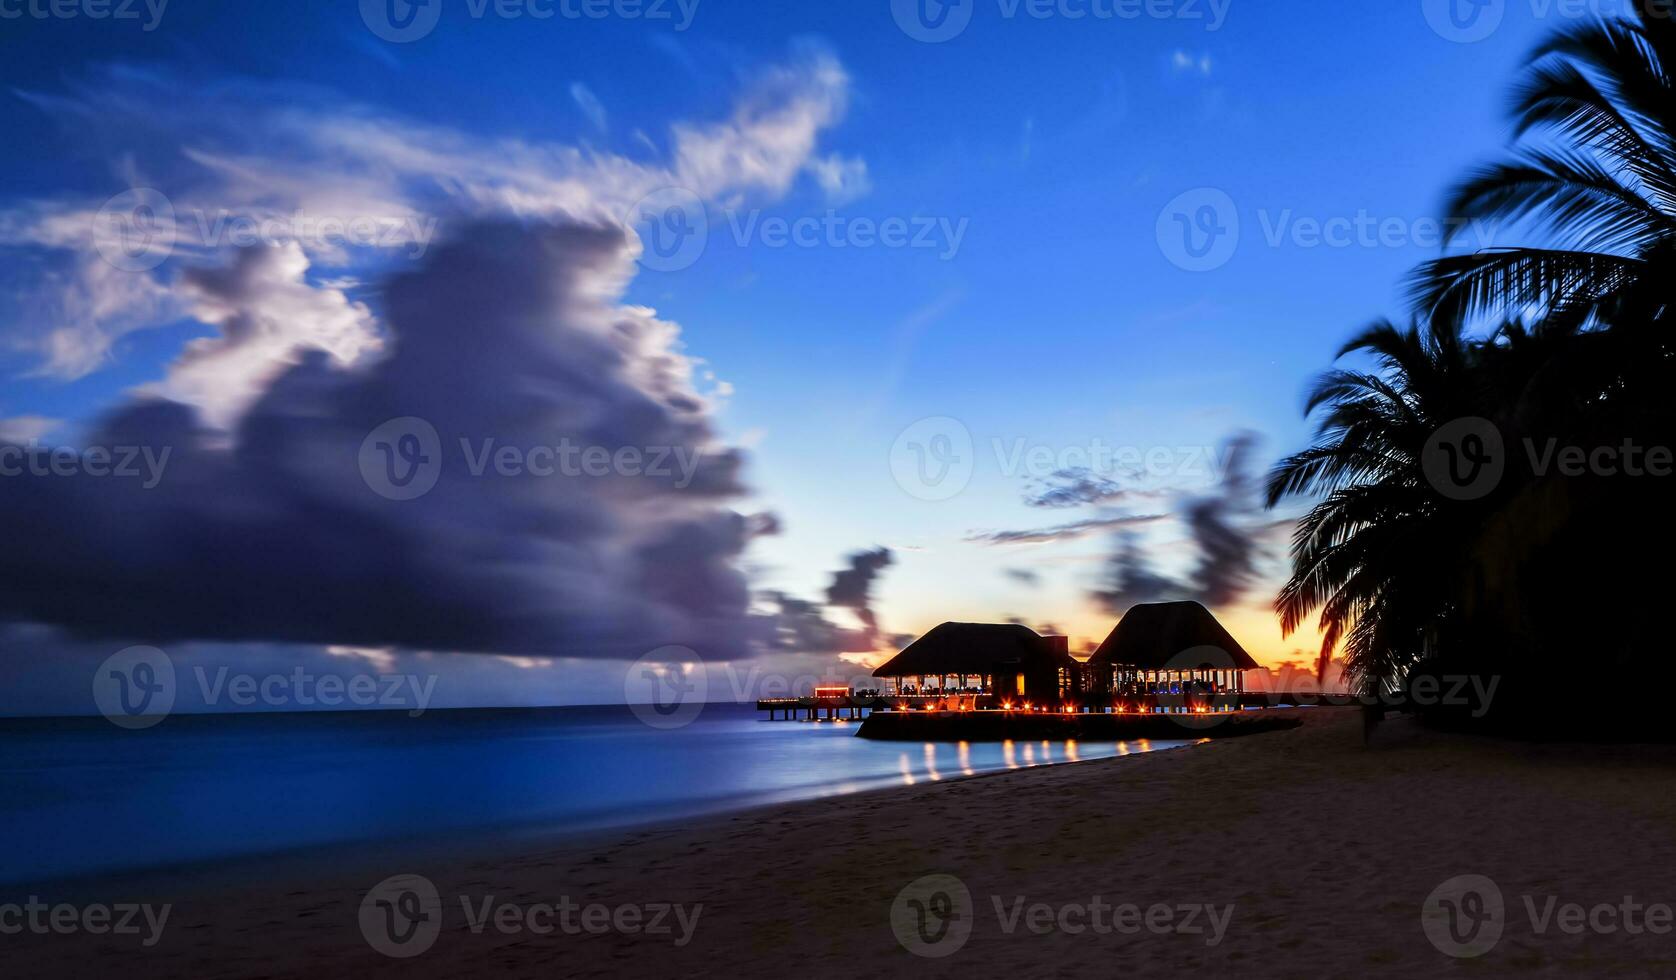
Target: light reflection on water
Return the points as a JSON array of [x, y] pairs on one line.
[[82, 796]]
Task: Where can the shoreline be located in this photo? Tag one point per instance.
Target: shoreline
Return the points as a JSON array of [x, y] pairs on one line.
[[1324, 850], [304, 865]]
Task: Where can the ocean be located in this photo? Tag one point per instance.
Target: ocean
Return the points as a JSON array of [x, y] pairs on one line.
[[83, 797]]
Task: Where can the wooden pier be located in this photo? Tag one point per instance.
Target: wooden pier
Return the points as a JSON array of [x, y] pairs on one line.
[[845, 708], [842, 705]]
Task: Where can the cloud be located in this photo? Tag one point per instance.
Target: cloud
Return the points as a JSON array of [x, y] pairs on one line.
[[1075, 486], [268, 317], [21, 429], [844, 179], [510, 332], [1188, 63], [248, 164], [1023, 576], [1221, 526], [509, 325], [590, 105], [1130, 578], [1226, 530], [851, 588], [798, 625], [1062, 532]]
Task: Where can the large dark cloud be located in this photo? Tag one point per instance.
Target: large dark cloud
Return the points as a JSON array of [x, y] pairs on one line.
[[511, 332]]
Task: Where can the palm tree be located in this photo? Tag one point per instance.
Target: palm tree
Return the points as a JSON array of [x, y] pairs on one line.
[[1522, 580], [1596, 171], [1367, 555]]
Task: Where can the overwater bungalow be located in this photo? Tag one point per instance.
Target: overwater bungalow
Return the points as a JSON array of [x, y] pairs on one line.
[[1170, 649], [967, 665], [1160, 656]]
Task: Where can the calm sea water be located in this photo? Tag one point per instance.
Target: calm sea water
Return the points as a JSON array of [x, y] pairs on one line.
[[82, 797]]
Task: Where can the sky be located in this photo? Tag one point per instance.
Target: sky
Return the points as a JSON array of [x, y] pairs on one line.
[[991, 311]]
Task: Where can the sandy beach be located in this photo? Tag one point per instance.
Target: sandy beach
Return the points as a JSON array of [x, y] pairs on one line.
[[1296, 853]]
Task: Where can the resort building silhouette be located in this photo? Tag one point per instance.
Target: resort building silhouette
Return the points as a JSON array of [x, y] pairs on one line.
[[1160, 656]]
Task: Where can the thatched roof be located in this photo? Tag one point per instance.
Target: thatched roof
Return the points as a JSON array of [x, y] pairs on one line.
[[1176, 635], [975, 648]]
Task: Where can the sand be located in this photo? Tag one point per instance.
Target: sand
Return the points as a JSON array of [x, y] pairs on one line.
[[1325, 849]]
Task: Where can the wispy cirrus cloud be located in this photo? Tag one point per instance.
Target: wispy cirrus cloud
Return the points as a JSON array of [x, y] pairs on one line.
[[1070, 531]]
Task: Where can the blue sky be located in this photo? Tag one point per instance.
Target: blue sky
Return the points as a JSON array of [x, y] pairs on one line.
[[1056, 145]]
